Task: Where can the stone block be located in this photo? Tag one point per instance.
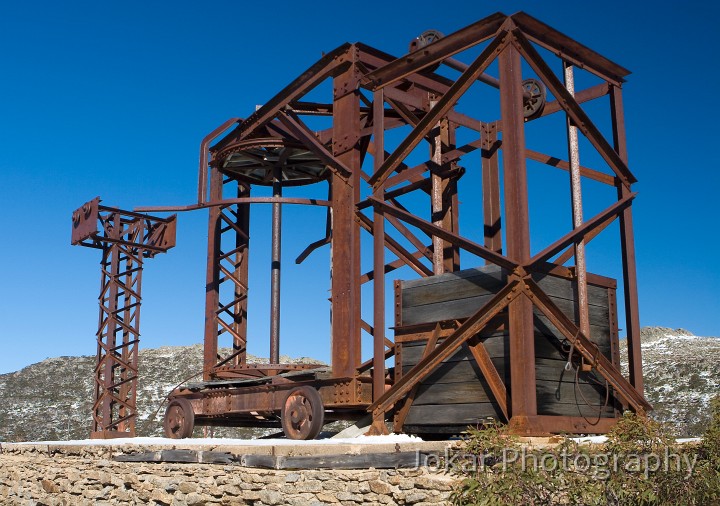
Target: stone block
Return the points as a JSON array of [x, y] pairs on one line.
[[271, 497]]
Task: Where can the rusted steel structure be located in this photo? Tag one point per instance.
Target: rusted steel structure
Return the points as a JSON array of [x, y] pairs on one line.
[[394, 141], [125, 239]]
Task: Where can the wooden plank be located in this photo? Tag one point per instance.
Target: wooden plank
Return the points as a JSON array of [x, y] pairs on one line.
[[457, 308], [488, 270], [546, 346], [178, 456], [460, 372], [491, 375], [599, 315], [453, 414], [563, 288], [575, 410], [448, 310], [449, 430], [549, 393], [401, 414], [545, 369], [486, 280], [338, 461], [495, 347], [452, 288], [549, 346], [458, 393]]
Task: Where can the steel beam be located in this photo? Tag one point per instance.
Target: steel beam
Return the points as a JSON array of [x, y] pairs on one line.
[[491, 375], [441, 108], [599, 220], [522, 328], [573, 109], [577, 208], [394, 246], [345, 243], [227, 262], [492, 221], [437, 51], [461, 242], [275, 263], [569, 49], [627, 242], [321, 70], [586, 348], [378, 254]]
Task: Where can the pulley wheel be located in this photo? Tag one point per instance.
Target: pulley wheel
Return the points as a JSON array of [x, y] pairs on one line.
[[179, 419], [534, 99], [425, 38], [302, 414]]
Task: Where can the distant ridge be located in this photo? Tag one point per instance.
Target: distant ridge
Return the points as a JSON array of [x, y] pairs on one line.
[[51, 400], [682, 374]]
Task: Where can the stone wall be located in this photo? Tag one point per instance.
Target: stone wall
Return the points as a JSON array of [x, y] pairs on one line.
[[88, 475]]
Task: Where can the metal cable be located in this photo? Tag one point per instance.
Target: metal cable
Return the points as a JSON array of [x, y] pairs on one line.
[[599, 410]]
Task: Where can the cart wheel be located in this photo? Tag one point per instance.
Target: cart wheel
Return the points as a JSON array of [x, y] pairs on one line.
[[179, 419], [303, 413]]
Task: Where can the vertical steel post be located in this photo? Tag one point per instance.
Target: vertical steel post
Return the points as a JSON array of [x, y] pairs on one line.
[[627, 244], [345, 242], [130, 336], [107, 338], [443, 199], [378, 253], [275, 268], [522, 334], [212, 281], [577, 207], [492, 228], [436, 199], [450, 202], [227, 265], [241, 278]]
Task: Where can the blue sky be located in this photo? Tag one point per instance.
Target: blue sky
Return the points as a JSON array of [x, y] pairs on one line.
[[113, 98]]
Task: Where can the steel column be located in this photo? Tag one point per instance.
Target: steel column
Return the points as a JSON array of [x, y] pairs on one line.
[[577, 207], [378, 252], [522, 332], [492, 228], [444, 200], [227, 262], [275, 262], [627, 242], [212, 278], [107, 341], [345, 233], [130, 340], [241, 277], [436, 198]]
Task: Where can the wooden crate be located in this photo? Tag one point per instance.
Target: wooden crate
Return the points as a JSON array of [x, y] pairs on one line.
[[455, 394]]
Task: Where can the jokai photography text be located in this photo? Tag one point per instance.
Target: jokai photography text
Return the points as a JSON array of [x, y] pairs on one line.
[[598, 466]]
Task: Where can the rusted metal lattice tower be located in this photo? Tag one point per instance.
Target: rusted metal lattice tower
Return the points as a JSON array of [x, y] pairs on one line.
[[126, 239], [468, 343]]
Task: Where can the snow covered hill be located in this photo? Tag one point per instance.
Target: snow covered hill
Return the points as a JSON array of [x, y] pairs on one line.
[[53, 399], [682, 374]]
